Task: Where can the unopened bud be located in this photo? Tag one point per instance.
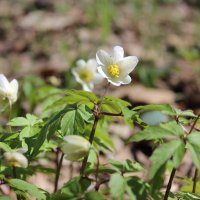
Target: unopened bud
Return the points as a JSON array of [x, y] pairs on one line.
[[75, 147], [16, 159]]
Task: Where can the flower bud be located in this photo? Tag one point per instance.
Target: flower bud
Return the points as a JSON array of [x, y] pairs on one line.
[[75, 147], [16, 159]]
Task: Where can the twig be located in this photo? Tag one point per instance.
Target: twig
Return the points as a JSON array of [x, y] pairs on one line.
[[169, 185], [195, 180], [58, 168]]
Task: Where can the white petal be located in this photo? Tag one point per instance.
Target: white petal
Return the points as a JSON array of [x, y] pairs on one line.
[[81, 63], [102, 71], [127, 65], [114, 82], [103, 58], [14, 85], [4, 84], [87, 87], [98, 78], [127, 80], [118, 53], [76, 75], [92, 65]]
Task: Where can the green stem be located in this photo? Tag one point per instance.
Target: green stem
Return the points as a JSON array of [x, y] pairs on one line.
[[58, 168], [96, 119], [169, 185], [14, 171], [195, 180], [97, 173]]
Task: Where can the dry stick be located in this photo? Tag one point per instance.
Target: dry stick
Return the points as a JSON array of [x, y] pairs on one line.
[[58, 166], [174, 169], [71, 170]]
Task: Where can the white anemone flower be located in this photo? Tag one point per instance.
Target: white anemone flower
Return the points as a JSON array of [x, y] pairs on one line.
[[75, 147], [16, 159], [86, 74], [8, 89], [116, 68]]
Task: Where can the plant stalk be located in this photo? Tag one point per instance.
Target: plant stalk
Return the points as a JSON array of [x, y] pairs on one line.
[[169, 185], [15, 176], [195, 180], [84, 163], [58, 168]]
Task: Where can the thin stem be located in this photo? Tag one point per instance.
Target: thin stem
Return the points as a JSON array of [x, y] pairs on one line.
[[10, 113], [97, 173], [71, 170], [101, 100], [195, 180], [112, 114], [193, 125], [96, 119], [58, 168], [14, 171], [169, 185]]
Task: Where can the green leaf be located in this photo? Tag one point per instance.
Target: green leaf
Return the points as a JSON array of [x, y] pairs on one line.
[[164, 108], [178, 155], [27, 187], [195, 152], [136, 188], [72, 122], [194, 138], [126, 166], [162, 154], [187, 196], [5, 147], [117, 185], [19, 121], [76, 97], [75, 187], [157, 132], [94, 196], [86, 113], [28, 132]]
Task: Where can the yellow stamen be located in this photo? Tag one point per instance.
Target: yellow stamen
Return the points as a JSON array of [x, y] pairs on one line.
[[113, 70], [86, 75]]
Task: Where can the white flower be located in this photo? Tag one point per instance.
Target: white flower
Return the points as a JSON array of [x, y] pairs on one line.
[[16, 159], [116, 67], [86, 74], [8, 90], [75, 147]]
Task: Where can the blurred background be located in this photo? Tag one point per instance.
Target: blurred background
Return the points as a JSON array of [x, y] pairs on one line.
[[44, 39]]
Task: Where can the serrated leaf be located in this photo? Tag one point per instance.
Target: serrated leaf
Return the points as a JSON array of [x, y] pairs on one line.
[[86, 113], [157, 132], [72, 123], [162, 154], [195, 152], [126, 166], [27, 187], [117, 185]]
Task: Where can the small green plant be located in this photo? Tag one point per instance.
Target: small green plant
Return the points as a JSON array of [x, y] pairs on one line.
[[74, 126]]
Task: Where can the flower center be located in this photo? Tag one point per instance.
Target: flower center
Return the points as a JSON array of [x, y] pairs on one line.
[[86, 75], [113, 70]]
